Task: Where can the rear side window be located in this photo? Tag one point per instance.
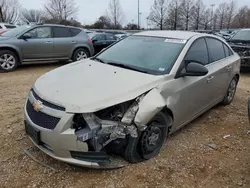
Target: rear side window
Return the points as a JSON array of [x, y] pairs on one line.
[[99, 37], [228, 52], [74, 31], [216, 49], [61, 32], [198, 52]]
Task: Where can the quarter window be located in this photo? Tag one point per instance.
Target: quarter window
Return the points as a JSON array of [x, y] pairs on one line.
[[61, 32], [74, 32], [216, 49], [40, 32], [228, 52], [198, 52]]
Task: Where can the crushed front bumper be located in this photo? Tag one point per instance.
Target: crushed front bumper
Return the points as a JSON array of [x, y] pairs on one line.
[[61, 142]]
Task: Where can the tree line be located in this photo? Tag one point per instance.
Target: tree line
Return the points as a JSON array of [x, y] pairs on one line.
[[164, 14], [195, 15]]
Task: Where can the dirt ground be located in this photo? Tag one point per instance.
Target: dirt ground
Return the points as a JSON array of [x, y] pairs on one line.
[[185, 161]]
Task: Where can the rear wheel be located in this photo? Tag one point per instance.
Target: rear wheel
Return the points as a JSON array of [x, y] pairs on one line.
[[230, 92], [80, 54], [8, 60], [149, 142]]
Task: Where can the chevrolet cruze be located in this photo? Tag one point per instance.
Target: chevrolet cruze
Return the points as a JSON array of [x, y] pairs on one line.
[[128, 98]]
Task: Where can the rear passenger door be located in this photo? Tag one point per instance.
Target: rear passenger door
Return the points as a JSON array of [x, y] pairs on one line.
[[219, 67], [64, 41]]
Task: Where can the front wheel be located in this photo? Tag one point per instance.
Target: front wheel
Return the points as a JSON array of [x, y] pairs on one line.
[[230, 92], [8, 60], [80, 54], [149, 142]]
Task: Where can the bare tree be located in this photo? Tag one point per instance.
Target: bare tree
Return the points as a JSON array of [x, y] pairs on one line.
[[115, 13], [241, 18], [32, 15], [230, 10], [186, 7], [221, 12], [10, 10], [206, 18], [158, 14], [61, 9], [174, 16], [196, 13]]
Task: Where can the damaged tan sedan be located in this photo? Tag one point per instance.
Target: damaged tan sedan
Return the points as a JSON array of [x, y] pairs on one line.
[[127, 99]]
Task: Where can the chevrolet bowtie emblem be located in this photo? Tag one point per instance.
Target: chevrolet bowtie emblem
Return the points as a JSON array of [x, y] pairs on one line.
[[37, 105]]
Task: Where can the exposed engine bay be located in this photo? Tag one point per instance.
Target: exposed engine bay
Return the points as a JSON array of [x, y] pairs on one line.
[[108, 126], [244, 52]]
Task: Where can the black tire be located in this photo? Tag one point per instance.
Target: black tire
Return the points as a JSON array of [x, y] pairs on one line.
[[8, 65], [139, 149], [230, 92], [77, 52]]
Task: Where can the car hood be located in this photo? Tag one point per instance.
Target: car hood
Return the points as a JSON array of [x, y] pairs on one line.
[[88, 86]]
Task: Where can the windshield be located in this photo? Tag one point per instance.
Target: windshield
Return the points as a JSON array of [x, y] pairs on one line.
[[242, 35], [150, 54], [16, 31]]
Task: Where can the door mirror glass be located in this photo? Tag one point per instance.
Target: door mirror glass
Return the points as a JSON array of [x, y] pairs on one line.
[[194, 69], [26, 36]]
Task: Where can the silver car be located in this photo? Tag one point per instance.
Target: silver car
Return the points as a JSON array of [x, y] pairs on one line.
[[43, 43], [127, 99]]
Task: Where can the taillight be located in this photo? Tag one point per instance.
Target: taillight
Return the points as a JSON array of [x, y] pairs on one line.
[[90, 41]]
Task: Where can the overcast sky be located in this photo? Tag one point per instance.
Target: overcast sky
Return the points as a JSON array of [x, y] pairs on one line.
[[90, 10]]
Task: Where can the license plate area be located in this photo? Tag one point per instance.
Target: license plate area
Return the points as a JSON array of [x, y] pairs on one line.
[[33, 132]]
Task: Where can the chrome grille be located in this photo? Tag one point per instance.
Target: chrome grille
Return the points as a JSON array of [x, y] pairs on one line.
[[41, 119]]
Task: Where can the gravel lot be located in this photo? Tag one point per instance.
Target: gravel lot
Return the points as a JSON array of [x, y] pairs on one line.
[[186, 161]]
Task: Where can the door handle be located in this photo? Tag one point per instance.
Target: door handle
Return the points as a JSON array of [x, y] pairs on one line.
[[209, 79], [73, 42], [229, 68], [48, 42]]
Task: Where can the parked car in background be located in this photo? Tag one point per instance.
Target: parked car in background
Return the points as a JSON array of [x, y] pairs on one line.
[[240, 42], [122, 36], [5, 27], [130, 97], [46, 42], [102, 40]]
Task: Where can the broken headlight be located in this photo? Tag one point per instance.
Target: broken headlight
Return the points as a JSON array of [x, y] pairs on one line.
[[114, 113]]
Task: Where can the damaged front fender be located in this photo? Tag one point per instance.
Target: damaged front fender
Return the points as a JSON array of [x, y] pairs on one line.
[[149, 106]]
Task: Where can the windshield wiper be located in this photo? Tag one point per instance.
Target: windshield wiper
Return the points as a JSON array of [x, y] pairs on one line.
[[130, 67], [98, 59]]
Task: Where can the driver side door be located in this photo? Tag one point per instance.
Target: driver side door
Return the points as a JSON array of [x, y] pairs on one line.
[[194, 91], [40, 44]]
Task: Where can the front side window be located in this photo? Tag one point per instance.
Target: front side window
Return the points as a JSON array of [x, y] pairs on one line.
[[152, 55], [61, 32], [40, 32], [198, 52], [216, 49]]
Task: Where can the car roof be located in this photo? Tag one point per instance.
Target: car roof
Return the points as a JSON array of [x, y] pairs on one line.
[[185, 35], [68, 26]]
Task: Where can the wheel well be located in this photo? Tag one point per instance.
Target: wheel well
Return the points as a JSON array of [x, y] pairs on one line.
[[13, 50], [237, 76], [80, 48], [166, 110]]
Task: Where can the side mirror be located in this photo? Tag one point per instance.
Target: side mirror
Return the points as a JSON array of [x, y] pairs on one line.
[[194, 69], [94, 41], [25, 36]]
